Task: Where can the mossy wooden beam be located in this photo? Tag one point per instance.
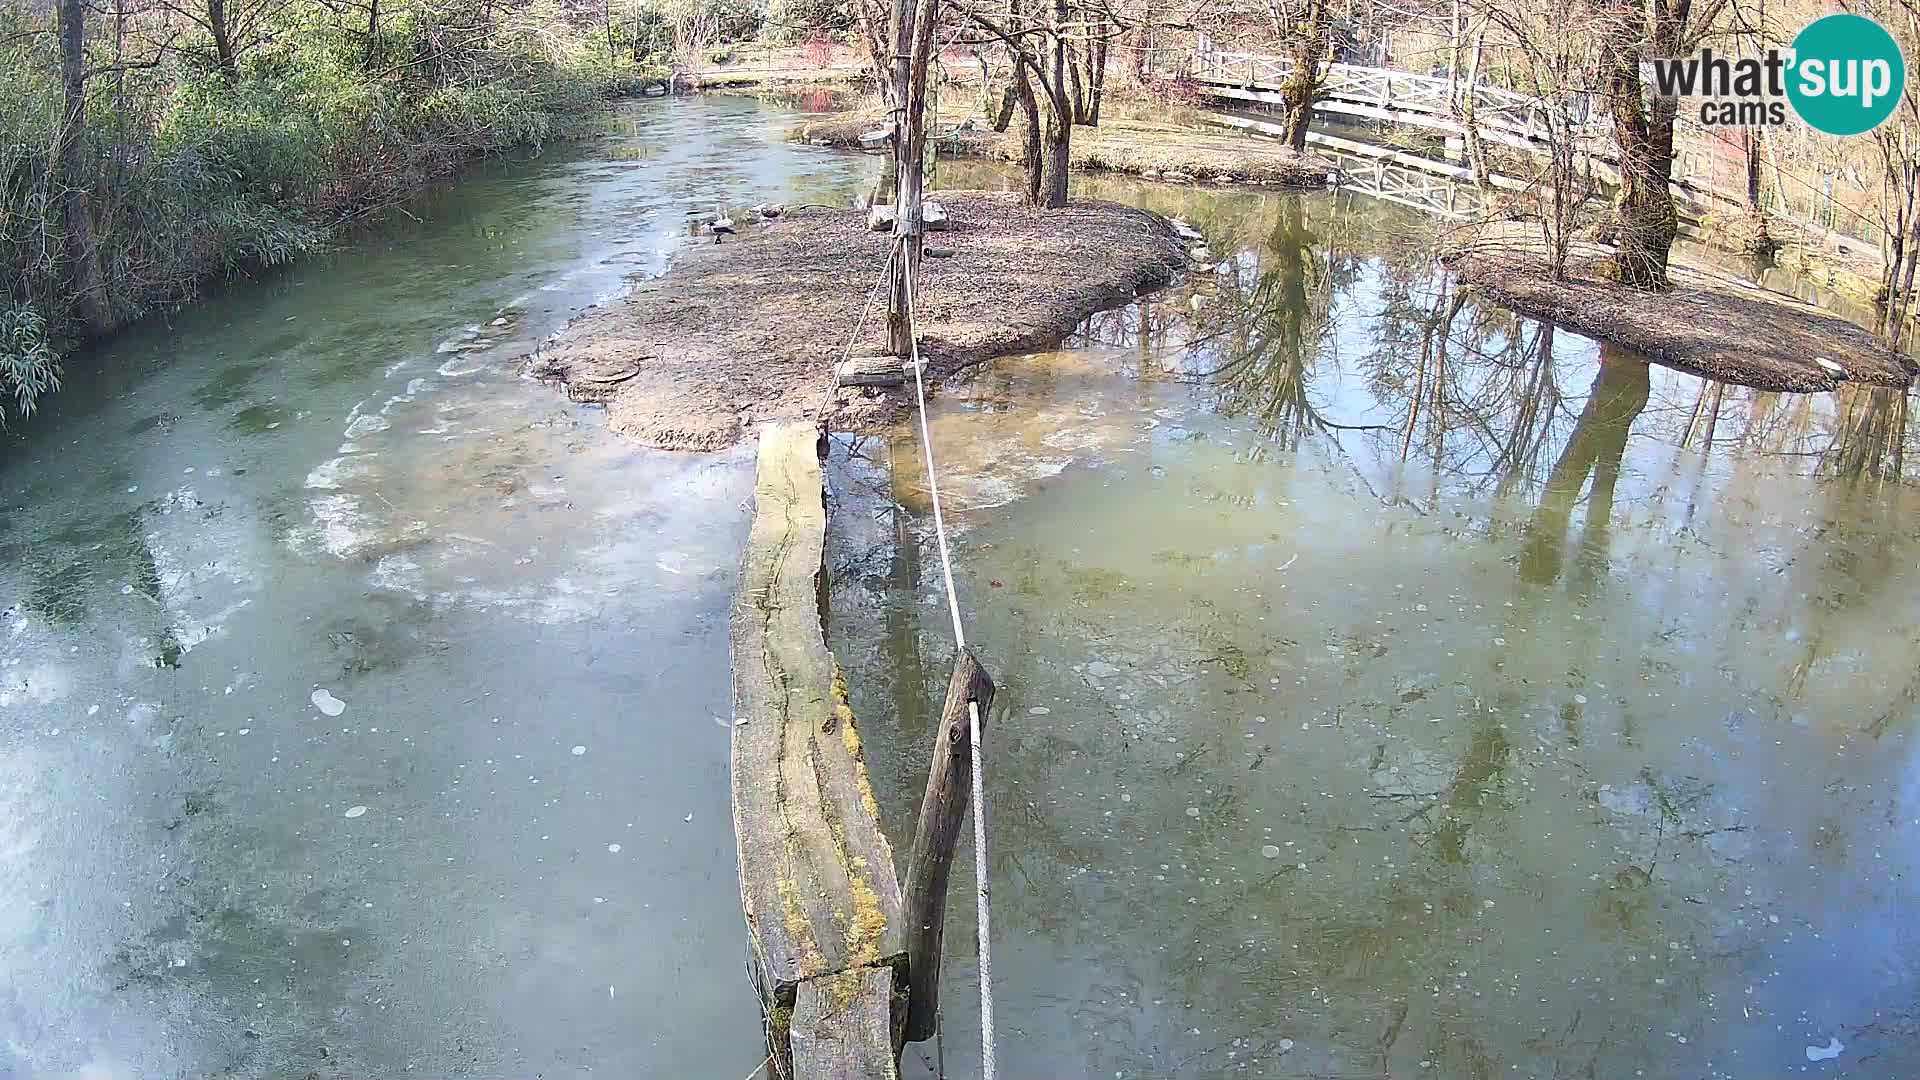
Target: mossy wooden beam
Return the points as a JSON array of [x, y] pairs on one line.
[[843, 1027], [816, 872]]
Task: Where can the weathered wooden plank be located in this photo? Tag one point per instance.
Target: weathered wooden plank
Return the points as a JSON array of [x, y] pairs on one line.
[[816, 872], [871, 371], [843, 1027]]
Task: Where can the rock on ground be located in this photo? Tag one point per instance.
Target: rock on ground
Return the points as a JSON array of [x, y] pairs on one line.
[[752, 329]]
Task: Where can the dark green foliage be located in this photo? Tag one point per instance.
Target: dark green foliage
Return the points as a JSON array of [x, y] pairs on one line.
[[329, 112], [795, 21], [735, 20]]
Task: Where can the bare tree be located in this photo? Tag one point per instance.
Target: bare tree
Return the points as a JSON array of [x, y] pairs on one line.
[[1040, 41], [1553, 64], [1309, 36], [1647, 221], [914, 25]]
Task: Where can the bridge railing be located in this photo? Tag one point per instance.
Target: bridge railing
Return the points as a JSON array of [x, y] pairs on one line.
[[1383, 88]]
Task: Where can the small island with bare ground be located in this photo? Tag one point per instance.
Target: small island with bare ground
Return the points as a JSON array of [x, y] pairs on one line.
[[753, 329], [1703, 320]]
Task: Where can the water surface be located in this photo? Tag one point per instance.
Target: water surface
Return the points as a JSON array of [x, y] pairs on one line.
[[360, 699], [1391, 686]]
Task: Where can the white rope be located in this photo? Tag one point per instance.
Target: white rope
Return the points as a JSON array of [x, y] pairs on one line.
[[985, 927], [833, 377]]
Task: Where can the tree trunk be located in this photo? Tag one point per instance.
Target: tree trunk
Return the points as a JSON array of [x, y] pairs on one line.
[[1471, 143], [372, 56], [1030, 135], [1647, 220], [1906, 205], [82, 252], [1008, 100], [1303, 85], [1060, 113], [1905, 293], [900, 34], [1077, 86], [222, 38], [910, 148], [1059, 132], [1099, 77]]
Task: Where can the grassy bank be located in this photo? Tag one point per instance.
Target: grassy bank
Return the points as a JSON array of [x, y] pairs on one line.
[[193, 160]]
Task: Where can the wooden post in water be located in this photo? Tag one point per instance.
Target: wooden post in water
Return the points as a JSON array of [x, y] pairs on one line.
[[942, 811]]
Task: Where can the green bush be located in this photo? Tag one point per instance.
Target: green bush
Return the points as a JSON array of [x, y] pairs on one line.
[[197, 174], [736, 20], [28, 366]]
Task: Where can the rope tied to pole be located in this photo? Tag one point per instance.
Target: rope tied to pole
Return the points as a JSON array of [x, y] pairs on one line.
[[984, 929]]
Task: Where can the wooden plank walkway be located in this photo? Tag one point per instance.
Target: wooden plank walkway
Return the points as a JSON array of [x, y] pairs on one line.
[[817, 875]]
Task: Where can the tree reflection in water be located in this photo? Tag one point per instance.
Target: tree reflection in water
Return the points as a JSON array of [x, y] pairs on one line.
[[1594, 450]]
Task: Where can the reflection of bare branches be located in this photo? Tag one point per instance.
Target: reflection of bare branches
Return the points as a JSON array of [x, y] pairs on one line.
[[1272, 349], [1870, 438], [1480, 397]]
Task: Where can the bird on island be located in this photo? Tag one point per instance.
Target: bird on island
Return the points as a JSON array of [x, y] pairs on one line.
[[722, 225]]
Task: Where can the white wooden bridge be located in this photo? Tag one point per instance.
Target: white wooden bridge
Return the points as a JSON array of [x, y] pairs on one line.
[[1501, 117], [1383, 94]]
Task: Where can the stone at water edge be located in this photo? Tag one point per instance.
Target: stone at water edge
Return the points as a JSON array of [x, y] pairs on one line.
[[880, 218], [872, 371], [934, 216]]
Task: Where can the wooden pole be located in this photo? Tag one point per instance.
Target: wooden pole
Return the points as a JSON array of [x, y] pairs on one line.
[[942, 812], [914, 33]]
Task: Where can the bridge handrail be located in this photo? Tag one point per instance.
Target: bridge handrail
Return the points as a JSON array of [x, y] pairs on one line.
[[1509, 110]]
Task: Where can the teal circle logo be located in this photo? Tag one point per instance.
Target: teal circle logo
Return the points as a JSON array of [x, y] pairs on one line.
[[1847, 74]]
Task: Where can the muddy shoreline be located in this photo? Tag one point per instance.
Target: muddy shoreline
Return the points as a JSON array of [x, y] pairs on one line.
[[752, 329], [1708, 323]]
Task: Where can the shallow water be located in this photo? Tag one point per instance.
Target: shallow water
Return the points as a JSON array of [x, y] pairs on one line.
[[1368, 707], [358, 697], [1390, 694]]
